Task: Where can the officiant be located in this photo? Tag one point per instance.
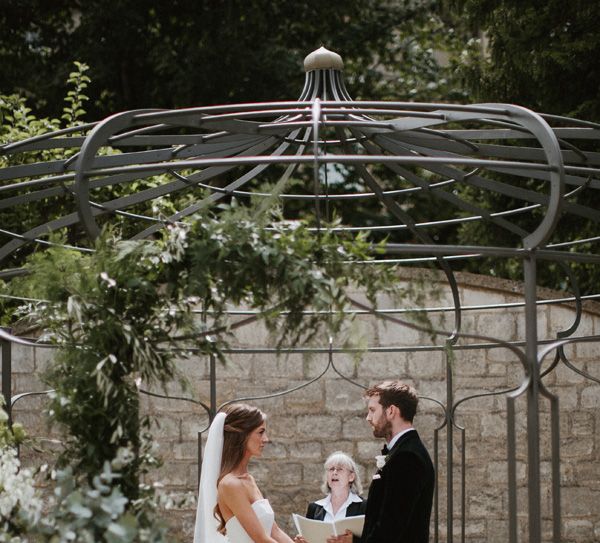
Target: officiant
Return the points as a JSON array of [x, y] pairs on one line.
[[342, 486]]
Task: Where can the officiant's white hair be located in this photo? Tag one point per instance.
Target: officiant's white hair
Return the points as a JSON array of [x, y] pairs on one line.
[[341, 459]]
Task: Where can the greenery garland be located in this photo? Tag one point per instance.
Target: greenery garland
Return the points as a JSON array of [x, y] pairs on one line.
[[118, 313]]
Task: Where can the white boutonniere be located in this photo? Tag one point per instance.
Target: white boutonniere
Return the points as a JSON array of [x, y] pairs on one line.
[[380, 460]]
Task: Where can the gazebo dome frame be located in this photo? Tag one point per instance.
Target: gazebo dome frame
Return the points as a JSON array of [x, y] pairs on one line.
[[221, 151]]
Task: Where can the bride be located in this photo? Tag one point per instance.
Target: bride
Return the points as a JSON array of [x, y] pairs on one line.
[[231, 508]]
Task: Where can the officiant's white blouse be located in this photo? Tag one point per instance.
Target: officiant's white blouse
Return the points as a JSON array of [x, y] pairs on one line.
[[325, 503]]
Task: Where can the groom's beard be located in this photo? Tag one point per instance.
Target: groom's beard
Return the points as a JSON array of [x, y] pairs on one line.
[[383, 428]]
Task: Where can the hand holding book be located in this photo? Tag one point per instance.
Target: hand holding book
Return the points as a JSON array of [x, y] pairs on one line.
[[318, 531]]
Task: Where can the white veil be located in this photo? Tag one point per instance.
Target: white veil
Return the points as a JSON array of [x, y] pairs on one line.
[[205, 530]]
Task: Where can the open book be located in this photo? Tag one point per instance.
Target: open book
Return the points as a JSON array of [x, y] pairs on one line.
[[317, 531]]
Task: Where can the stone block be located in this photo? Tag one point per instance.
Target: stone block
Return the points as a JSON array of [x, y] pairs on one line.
[[475, 296], [469, 363], [568, 398], [194, 368], [312, 475], [580, 501], [586, 473], [331, 446], [254, 334], [309, 450], [185, 450], [23, 359], [29, 382], [285, 366], [368, 449], [343, 396], [382, 366], [427, 364], [483, 504], [502, 354], [356, 428], [389, 333], [587, 349], [542, 326], [590, 397], [429, 388], [309, 399], [44, 358], [560, 318], [283, 427], [497, 530], [235, 366], [578, 529], [566, 376], [319, 426], [275, 450], [315, 364], [581, 424], [285, 474], [497, 473], [171, 474], [497, 325], [170, 428]]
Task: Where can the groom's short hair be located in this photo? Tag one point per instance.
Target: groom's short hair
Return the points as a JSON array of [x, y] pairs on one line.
[[397, 393]]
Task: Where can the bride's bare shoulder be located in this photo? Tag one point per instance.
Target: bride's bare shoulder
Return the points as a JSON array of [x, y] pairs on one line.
[[229, 480], [230, 483]]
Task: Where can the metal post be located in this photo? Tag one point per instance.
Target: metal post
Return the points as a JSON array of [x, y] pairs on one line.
[[449, 450], [213, 407], [7, 377], [533, 427]]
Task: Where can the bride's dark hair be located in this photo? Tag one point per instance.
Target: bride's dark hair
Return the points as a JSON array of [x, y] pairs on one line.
[[241, 420]]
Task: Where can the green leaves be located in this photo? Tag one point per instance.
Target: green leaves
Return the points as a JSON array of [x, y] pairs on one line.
[[83, 513], [73, 110]]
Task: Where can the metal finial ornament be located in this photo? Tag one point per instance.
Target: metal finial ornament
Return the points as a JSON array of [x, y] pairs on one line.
[[323, 59]]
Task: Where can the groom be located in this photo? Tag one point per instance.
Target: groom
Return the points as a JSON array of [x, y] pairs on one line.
[[401, 493]]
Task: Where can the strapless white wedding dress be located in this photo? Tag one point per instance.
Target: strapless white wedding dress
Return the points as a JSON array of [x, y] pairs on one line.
[[236, 534]]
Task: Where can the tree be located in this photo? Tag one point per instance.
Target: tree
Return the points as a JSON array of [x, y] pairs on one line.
[[187, 52], [542, 55]]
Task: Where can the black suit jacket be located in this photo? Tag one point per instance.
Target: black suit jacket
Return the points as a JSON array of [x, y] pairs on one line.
[[317, 512], [401, 495]]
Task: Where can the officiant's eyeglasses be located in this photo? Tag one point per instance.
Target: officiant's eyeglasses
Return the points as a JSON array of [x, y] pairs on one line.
[[337, 468]]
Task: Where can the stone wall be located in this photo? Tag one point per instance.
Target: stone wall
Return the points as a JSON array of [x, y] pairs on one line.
[[306, 425]]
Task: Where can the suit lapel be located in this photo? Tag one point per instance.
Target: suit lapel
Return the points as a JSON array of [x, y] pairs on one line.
[[408, 436]]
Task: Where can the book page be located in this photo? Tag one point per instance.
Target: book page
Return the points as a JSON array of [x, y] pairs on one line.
[[354, 524], [317, 531], [314, 531]]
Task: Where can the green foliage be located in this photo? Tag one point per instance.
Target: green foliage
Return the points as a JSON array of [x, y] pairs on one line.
[[10, 435], [544, 56], [73, 110], [117, 313], [87, 513], [184, 53], [17, 123]]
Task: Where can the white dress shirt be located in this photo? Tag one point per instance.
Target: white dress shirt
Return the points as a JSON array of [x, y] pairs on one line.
[[397, 437], [325, 503]]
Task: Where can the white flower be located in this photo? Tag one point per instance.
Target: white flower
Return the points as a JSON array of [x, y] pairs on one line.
[[18, 496], [110, 282], [380, 460]]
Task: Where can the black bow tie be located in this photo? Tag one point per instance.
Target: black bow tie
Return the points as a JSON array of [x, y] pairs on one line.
[[385, 450]]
